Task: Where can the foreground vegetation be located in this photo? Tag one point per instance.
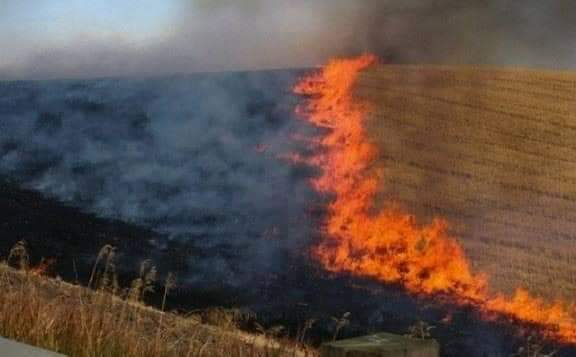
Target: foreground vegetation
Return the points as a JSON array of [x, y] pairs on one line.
[[107, 320]]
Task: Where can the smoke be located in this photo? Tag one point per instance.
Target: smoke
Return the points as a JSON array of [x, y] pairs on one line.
[[245, 35], [193, 158], [494, 32]]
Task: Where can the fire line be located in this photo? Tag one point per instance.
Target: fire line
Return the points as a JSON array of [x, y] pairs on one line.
[[388, 243]]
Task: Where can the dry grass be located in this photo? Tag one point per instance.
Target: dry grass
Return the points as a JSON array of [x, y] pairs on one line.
[[494, 151], [110, 321]]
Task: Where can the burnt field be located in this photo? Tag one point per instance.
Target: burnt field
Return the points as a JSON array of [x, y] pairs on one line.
[[302, 292], [194, 159], [190, 173]]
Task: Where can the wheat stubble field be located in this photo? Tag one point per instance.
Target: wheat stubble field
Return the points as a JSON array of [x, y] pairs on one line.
[[493, 151]]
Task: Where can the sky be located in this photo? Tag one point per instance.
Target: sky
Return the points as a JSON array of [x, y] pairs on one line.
[[77, 38], [108, 38], [26, 25], [59, 20]]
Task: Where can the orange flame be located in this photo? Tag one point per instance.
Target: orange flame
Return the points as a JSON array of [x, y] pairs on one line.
[[43, 267], [387, 243]]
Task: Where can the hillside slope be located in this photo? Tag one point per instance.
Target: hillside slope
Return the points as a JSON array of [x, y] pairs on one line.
[[492, 150], [111, 321]]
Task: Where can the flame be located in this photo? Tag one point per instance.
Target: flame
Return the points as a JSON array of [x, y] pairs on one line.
[[43, 267], [387, 243]]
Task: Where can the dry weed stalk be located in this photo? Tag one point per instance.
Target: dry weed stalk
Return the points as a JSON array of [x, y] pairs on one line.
[[108, 321]]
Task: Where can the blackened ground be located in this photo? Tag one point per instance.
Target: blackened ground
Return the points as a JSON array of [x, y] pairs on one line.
[[306, 292], [194, 158], [55, 230], [301, 292]]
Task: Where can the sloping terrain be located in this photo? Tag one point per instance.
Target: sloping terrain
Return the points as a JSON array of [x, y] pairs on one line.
[[190, 160], [75, 215], [492, 150], [77, 321]]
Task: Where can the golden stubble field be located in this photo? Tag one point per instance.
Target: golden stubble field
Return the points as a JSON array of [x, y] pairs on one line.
[[494, 151]]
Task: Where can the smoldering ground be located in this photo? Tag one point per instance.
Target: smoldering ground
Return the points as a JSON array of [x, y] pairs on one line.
[[193, 158], [253, 34]]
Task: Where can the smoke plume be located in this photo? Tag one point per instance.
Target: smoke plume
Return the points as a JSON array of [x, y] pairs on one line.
[[253, 34], [195, 159]]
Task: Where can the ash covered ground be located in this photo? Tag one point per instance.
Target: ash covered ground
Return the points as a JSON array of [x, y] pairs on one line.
[[187, 171], [192, 158]]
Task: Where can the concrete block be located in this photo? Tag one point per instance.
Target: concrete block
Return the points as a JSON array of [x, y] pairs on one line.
[[381, 345]]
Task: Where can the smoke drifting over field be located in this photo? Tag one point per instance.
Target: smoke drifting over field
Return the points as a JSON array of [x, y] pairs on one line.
[[194, 158], [252, 34], [297, 33]]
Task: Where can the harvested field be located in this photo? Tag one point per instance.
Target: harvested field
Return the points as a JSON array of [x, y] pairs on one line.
[[492, 150]]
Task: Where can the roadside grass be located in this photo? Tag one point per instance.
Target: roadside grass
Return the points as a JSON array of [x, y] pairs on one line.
[[105, 319]]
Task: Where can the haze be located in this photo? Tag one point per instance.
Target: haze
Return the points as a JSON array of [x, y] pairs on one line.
[[81, 38]]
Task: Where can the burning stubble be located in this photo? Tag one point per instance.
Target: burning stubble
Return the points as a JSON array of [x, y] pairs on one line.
[[390, 244]]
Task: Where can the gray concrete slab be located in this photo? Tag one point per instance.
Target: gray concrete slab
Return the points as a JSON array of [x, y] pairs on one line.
[[381, 345], [9, 348]]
